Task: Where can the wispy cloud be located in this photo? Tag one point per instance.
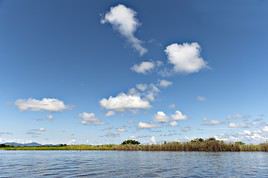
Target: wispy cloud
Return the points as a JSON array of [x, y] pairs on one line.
[[164, 83], [146, 125], [201, 98], [36, 132], [89, 118], [178, 116], [160, 116], [109, 113], [144, 67], [123, 19], [45, 104], [211, 122]]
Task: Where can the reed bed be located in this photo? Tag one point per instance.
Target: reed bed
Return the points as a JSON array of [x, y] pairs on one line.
[[209, 145]]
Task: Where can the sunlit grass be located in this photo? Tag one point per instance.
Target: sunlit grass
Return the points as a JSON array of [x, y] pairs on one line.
[[209, 145]]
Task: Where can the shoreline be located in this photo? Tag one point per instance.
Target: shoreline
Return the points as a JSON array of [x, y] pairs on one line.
[[192, 146]]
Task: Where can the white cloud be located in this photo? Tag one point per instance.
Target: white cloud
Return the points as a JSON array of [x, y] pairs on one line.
[[178, 116], [186, 129], [249, 136], [110, 113], [120, 130], [135, 99], [124, 102], [145, 125], [211, 122], [153, 140], [50, 117], [233, 125], [172, 106], [164, 83], [255, 135], [265, 129], [201, 98], [160, 116], [142, 87], [240, 125], [46, 104], [151, 92], [185, 57], [42, 129], [144, 67], [236, 116], [124, 21], [173, 123], [89, 118], [146, 91], [36, 132]]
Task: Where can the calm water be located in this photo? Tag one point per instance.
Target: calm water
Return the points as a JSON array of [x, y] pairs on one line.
[[131, 164]]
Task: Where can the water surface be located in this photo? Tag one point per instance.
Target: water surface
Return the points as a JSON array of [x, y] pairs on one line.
[[132, 164]]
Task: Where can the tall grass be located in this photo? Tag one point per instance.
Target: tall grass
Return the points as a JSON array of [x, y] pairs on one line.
[[209, 145]]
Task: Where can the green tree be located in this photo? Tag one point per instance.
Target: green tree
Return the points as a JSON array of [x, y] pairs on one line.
[[130, 142]]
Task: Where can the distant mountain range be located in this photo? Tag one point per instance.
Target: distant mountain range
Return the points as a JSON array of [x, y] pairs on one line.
[[26, 144]]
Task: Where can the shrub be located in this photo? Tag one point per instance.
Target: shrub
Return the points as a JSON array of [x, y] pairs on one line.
[[130, 142]]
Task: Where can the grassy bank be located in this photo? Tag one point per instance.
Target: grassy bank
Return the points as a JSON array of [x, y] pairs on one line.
[[209, 145]]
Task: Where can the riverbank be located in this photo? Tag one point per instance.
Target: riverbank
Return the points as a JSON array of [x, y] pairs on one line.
[[209, 145]]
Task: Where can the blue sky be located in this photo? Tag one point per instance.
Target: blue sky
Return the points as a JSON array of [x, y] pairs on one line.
[[103, 71]]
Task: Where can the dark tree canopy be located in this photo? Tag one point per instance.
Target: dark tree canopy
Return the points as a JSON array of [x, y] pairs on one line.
[[239, 143], [211, 139], [131, 142], [198, 140]]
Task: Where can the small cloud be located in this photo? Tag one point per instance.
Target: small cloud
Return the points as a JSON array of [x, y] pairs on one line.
[[211, 122], [144, 67], [123, 19], [178, 116], [5, 133], [173, 123], [36, 132], [185, 57], [160, 116], [142, 87], [233, 125], [165, 83], [236, 125], [124, 102], [50, 117], [45, 104], [42, 129], [72, 141], [110, 113], [186, 129], [201, 98], [145, 125], [120, 130], [265, 129], [235, 116], [153, 140], [89, 118], [172, 106]]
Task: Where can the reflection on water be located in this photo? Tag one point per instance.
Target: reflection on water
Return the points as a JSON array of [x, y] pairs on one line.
[[131, 164]]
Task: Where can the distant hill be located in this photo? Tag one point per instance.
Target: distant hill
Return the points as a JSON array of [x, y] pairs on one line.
[[15, 144], [22, 144]]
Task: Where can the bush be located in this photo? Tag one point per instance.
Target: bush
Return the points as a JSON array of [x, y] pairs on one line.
[[130, 142]]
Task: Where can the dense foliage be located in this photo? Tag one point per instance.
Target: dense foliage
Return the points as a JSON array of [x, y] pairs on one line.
[[205, 145], [130, 142]]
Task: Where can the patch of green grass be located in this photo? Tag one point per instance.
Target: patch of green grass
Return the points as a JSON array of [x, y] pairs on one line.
[[208, 145]]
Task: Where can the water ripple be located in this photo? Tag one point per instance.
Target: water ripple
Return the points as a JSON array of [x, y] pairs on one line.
[[131, 164]]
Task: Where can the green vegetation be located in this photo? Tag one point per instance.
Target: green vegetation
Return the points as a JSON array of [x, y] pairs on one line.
[[130, 142], [199, 144]]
